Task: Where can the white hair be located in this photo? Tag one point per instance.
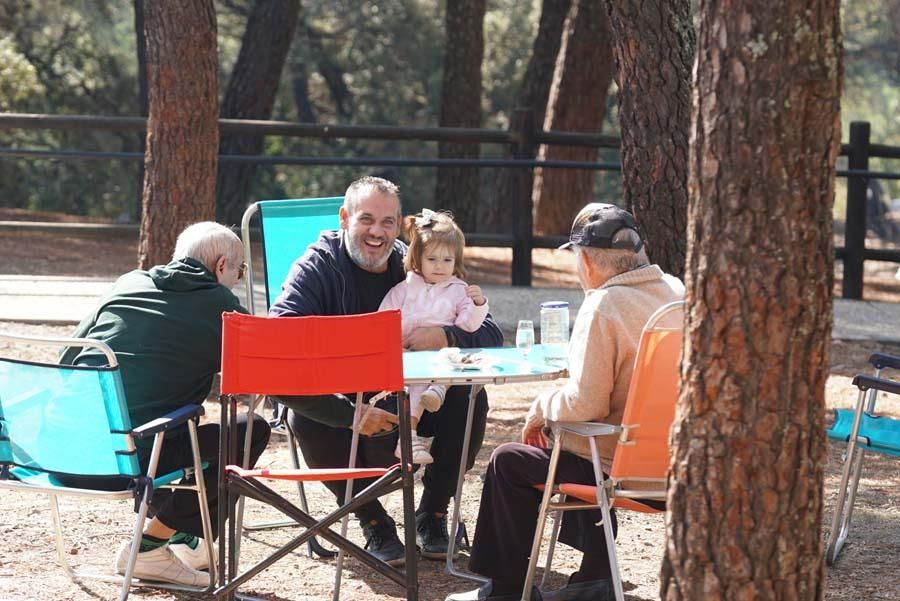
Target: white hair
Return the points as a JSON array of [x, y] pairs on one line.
[[614, 261], [206, 242]]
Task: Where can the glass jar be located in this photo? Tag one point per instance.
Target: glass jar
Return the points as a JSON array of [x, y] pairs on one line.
[[555, 331]]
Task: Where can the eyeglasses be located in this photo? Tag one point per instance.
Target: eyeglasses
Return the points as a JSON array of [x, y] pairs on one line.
[[241, 271]]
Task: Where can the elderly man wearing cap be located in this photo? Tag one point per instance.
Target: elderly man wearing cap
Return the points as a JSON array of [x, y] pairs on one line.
[[622, 289]]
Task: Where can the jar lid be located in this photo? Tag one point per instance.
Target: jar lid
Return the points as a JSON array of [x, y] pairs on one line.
[[555, 305]]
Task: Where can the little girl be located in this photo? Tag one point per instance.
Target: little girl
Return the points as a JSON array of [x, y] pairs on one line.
[[433, 295]]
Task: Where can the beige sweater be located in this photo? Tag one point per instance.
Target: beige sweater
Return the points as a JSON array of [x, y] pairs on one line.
[[602, 352]]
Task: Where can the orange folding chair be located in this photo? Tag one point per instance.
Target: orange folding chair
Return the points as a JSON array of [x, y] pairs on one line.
[[314, 356], [641, 458]]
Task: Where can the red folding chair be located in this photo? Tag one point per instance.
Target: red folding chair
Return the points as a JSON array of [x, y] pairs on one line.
[[314, 356]]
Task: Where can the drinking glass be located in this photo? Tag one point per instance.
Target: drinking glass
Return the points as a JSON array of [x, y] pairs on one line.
[[525, 336]]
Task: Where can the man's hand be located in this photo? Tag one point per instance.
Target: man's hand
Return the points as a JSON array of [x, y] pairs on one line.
[[475, 293], [426, 339], [533, 435], [375, 420]]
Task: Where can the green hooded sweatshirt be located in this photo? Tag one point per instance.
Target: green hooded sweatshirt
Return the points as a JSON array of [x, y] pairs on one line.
[[165, 327]]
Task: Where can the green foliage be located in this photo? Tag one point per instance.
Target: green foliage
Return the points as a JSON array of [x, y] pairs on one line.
[[18, 78], [372, 62]]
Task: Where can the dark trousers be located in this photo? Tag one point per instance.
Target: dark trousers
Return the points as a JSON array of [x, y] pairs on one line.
[[507, 516], [180, 509], [327, 446]]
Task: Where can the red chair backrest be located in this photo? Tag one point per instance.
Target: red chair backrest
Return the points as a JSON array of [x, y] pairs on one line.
[[311, 355]]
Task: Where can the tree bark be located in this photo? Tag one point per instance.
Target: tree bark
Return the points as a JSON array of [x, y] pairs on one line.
[[141, 51], [577, 103], [745, 496], [251, 95], [495, 213], [654, 49], [457, 188], [182, 125]]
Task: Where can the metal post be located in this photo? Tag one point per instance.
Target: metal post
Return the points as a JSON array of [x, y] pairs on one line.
[[524, 126], [855, 228]]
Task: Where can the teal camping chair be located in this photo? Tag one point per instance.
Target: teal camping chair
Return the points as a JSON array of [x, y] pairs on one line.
[[864, 431], [286, 229], [63, 423]]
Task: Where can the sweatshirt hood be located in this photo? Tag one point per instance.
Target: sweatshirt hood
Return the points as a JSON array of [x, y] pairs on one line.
[[183, 275]]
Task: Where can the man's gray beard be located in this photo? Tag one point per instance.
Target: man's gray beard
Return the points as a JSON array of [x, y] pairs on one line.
[[361, 260]]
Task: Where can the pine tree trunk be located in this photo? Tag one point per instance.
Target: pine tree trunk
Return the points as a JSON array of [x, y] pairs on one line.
[[457, 188], [654, 50], [141, 52], [578, 104], [495, 214], [745, 499], [182, 126], [251, 95]]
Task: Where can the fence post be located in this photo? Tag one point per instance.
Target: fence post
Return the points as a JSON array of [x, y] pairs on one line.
[[523, 124], [855, 224]]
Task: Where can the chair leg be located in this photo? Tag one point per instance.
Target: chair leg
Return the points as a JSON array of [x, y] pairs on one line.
[[57, 531], [557, 522], [348, 495], [409, 511], [843, 508], [200, 488], [541, 520], [135, 544]]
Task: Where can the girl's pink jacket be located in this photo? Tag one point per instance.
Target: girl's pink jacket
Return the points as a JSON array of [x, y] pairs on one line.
[[425, 305]]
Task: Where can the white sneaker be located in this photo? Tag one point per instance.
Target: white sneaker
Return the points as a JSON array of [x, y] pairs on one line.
[[160, 565], [197, 558], [432, 398], [420, 454]]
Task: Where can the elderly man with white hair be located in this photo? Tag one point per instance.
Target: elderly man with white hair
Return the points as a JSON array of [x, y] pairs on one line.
[[165, 327]]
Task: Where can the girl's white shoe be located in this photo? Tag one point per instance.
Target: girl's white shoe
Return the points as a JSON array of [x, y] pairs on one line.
[[420, 454]]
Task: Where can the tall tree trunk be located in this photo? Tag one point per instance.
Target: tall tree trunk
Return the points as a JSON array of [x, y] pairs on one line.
[[182, 126], [495, 215], [745, 499], [457, 188], [141, 50], [251, 95], [654, 50], [577, 103]]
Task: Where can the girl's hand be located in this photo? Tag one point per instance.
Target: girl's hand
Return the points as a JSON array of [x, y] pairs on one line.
[[474, 292]]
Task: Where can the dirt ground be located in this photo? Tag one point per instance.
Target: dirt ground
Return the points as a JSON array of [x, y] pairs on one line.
[[28, 568]]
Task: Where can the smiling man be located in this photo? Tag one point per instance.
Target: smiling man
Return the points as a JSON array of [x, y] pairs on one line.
[[347, 272]]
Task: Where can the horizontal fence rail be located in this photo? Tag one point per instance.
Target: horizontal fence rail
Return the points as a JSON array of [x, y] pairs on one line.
[[522, 138]]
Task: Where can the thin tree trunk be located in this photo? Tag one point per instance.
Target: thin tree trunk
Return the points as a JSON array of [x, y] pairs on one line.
[[141, 51], [251, 95], [654, 50], [457, 188], [182, 126], [745, 497], [578, 104], [495, 214]]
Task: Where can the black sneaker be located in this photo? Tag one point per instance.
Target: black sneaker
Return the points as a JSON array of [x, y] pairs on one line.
[[580, 589], [383, 543], [432, 535]]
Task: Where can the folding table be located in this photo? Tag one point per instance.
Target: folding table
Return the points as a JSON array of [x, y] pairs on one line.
[[501, 365]]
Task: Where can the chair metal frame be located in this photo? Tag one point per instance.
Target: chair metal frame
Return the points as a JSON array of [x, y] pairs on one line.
[[858, 442], [142, 485], [244, 482], [610, 491], [277, 422]]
